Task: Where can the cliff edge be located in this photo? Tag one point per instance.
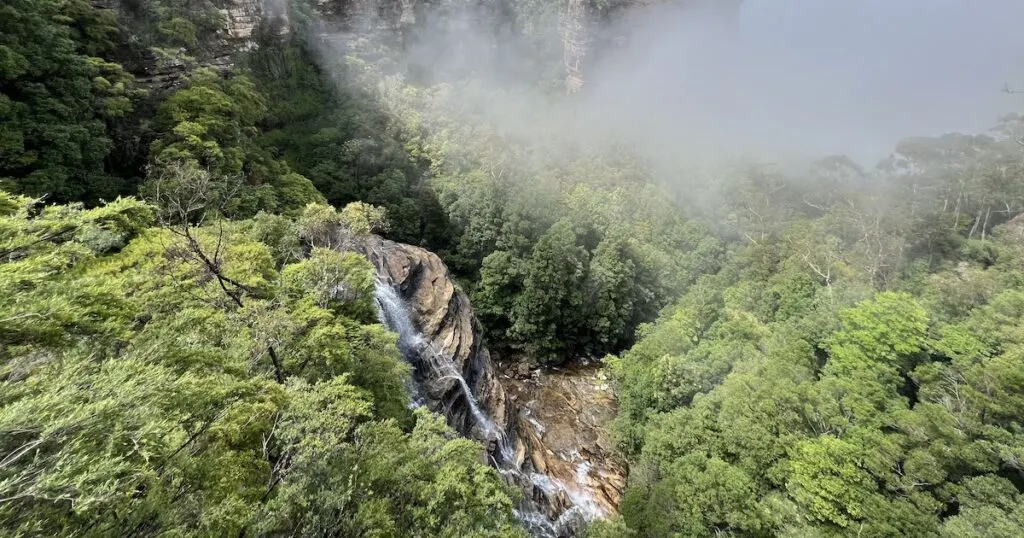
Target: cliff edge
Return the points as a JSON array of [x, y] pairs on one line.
[[545, 431]]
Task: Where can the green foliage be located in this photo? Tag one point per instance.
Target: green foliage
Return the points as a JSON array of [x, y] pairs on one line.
[[812, 411], [887, 328], [501, 278], [341, 141], [696, 494], [846, 363], [322, 225], [318, 224], [828, 481], [210, 125], [36, 245], [198, 381], [56, 98], [339, 281], [363, 219], [621, 295], [989, 506], [614, 528], [563, 300], [174, 24], [545, 312]]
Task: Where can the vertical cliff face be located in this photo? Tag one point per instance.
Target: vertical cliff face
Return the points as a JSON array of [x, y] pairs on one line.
[[581, 25], [240, 21], [443, 316], [243, 17], [544, 431]]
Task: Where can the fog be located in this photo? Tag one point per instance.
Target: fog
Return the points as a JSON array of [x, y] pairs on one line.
[[798, 78], [878, 70], [817, 76]]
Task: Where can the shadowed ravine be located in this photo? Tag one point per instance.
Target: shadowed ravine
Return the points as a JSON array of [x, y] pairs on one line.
[[564, 468]]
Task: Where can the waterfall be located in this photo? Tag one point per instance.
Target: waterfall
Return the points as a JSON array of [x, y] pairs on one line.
[[421, 354], [583, 504], [391, 313], [429, 363]]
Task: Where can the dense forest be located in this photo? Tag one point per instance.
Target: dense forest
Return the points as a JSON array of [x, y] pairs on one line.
[[809, 349]]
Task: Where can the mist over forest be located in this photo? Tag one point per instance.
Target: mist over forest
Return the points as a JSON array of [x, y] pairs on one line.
[[799, 80], [511, 268]]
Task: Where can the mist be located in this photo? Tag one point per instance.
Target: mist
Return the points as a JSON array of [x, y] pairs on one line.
[[793, 78], [877, 70], [813, 77]]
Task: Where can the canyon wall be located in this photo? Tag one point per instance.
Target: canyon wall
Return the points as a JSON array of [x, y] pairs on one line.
[[546, 432]]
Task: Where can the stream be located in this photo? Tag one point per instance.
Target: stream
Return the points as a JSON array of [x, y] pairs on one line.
[[432, 366]]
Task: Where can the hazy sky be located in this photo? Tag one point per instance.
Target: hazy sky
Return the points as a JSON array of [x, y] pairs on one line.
[[818, 76], [800, 78], [887, 68]]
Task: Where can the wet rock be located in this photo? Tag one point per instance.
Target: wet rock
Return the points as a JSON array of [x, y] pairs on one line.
[[551, 437], [565, 415], [443, 315]]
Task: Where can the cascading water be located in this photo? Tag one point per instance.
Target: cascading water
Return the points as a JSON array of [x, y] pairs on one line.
[[394, 313], [418, 352]]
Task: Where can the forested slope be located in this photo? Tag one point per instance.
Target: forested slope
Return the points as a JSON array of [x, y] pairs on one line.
[[803, 349], [195, 364], [854, 368], [212, 380], [785, 396]]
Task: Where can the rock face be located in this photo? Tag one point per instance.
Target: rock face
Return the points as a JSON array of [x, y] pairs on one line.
[[564, 415], [443, 316], [241, 19], [545, 431]]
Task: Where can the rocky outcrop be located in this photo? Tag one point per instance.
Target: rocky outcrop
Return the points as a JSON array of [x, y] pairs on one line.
[[563, 415], [545, 431], [241, 19], [443, 316]]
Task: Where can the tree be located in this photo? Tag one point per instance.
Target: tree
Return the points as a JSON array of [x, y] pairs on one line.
[[989, 506], [545, 314], [55, 99], [501, 279], [137, 395], [620, 293], [210, 125]]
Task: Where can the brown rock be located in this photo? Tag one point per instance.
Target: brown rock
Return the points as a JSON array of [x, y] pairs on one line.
[[555, 423]]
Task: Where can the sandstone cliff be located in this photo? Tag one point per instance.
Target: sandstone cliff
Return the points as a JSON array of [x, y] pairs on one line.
[[545, 431], [442, 314]]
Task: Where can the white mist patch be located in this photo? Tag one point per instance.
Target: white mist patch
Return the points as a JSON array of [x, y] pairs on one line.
[[805, 77], [787, 80]]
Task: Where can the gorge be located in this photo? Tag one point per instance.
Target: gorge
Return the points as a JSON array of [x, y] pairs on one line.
[[502, 268], [545, 432]]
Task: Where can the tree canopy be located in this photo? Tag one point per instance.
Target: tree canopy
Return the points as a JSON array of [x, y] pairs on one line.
[[182, 380], [187, 348]]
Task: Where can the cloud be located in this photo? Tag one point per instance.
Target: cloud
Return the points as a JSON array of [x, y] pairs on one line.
[[819, 76], [681, 81]]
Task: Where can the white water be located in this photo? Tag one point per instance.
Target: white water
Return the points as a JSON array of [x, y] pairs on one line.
[[583, 502], [582, 472], [419, 352]]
